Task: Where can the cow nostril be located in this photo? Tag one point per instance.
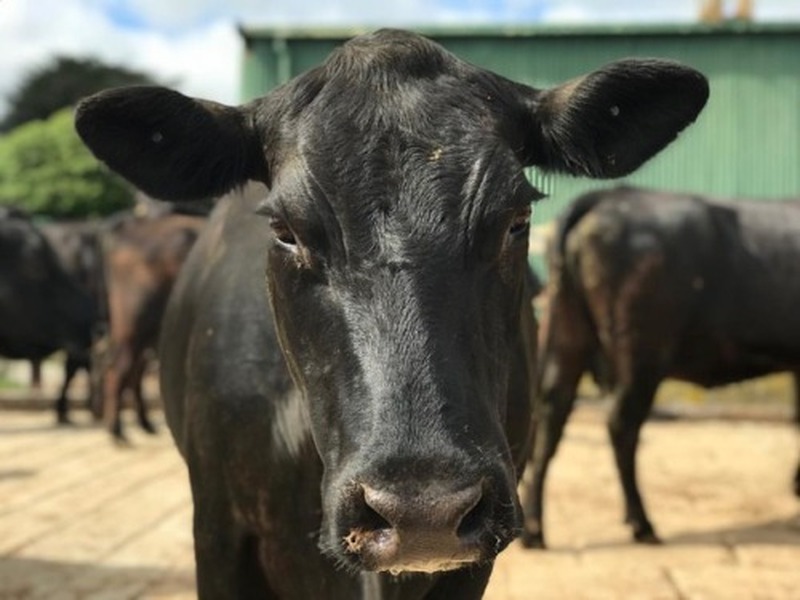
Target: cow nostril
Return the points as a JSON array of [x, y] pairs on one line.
[[433, 528], [454, 511], [474, 522], [382, 510], [371, 517]]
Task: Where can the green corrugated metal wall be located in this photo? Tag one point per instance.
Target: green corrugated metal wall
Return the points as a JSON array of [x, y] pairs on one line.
[[745, 143]]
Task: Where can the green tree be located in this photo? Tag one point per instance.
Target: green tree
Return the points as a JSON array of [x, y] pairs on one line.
[[46, 169], [60, 83]]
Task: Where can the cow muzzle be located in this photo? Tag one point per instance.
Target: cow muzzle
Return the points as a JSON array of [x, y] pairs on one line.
[[436, 529]]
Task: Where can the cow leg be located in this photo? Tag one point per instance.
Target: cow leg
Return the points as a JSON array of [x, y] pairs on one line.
[[62, 403], [93, 395], [556, 401], [226, 557], [633, 403], [116, 378], [98, 369], [137, 376], [797, 423], [36, 374]]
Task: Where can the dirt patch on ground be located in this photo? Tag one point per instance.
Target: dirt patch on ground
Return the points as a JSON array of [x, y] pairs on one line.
[[80, 518], [718, 491]]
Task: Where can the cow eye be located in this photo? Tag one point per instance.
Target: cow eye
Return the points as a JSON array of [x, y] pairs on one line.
[[520, 223], [283, 234]]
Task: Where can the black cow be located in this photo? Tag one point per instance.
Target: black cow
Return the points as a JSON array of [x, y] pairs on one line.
[[42, 309], [661, 285], [77, 244], [392, 254]]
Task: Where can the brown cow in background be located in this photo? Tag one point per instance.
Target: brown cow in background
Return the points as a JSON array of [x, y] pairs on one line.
[[143, 255]]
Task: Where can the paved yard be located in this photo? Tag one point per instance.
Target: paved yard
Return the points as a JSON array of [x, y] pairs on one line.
[[718, 493], [80, 518]]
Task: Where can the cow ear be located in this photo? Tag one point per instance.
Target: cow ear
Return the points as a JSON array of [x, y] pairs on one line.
[[607, 123], [169, 145]]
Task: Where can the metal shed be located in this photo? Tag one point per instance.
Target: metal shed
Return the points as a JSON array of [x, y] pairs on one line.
[[745, 143]]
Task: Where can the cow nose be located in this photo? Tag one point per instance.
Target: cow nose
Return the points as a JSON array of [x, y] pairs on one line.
[[445, 511], [434, 530]]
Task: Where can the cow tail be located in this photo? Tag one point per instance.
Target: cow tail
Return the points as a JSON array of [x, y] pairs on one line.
[[571, 217], [556, 253], [565, 275]]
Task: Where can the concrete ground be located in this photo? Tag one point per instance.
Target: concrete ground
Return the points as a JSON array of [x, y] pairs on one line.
[[83, 519], [80, 518], [717, 491]]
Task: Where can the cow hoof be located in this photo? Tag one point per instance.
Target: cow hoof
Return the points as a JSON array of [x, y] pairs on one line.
[[647, 537], [121, 441], [118, 437], [62, 419], [148, 427], [532, 541]]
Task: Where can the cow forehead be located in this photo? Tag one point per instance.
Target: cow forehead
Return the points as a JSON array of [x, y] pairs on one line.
[[411, 86], [391, 148], [392, 190], [394, 91], [400, 140], [388, 56]]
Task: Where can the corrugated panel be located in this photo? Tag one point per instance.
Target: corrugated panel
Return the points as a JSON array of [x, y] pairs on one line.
[[745, 143]]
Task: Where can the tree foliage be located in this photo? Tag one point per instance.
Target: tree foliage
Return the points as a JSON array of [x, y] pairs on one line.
[[46, 169], [60, 83]]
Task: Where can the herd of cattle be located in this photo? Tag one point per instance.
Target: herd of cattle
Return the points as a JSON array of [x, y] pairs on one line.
[[355, 378], [94, 289]]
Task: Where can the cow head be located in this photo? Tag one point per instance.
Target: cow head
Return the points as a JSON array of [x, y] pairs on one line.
[[396, 228]]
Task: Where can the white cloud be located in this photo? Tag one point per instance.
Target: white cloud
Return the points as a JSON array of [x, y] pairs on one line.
[[174, 14], [28, 37], [632, 11], [204, 62], [201, 61], [777, 10], [613, 11], [194, 43]]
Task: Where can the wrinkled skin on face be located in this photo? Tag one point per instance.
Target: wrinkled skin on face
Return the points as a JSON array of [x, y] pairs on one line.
[[395, 238]]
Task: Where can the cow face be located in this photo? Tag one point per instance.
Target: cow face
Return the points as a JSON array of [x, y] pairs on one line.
[[396, 225]]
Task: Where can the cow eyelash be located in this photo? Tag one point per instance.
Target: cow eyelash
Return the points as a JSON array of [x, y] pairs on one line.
[[283, 234], [520, 223]]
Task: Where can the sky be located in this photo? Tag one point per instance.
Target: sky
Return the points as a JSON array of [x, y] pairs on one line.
[[194, 44]]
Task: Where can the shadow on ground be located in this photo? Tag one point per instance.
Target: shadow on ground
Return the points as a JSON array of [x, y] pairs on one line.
[[31, 579], [48, 426], [778, 532]]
